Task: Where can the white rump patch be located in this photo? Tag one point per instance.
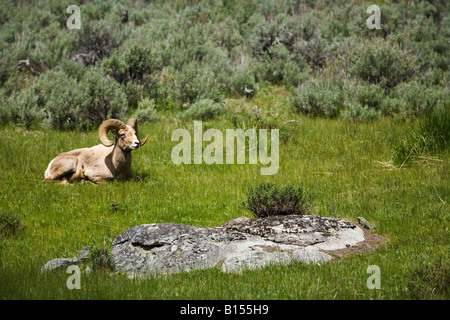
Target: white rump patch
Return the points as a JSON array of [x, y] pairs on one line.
[[47, 172]]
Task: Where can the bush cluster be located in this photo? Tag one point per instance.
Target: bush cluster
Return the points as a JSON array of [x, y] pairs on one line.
[[269, 199], [66, 103], [204, 109], [179, 53], [382, 63], [364, 101], [320, 98], [146, 111]]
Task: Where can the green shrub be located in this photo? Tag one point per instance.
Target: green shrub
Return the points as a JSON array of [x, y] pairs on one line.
[[195, 81], [273, 46], [25, 109], [319, 97], [71, 104], [60, 97], [241, 80], [393, 106], [416, 99], [315, 52], [382, 63], [294, 74], [363, 101], [137, 70], [268, 199], [98, 40], [95, 10], [74, 70], [314, 48], [52, 45], [139, 17], [359, 112], [58, 10], [338, 26], [262, 34], [101, 98], [7, 9], [279, 66], [370, 95], [134, 64], [445, 26], [227, 34], [146, 111], [204, 109]]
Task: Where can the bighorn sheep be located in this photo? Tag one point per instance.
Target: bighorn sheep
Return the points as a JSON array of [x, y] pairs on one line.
[[106, 161]]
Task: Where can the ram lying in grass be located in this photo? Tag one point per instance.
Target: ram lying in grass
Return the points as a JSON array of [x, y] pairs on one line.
[[106, 161]]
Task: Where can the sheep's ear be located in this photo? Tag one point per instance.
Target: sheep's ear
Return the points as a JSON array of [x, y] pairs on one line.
[[132, 122]]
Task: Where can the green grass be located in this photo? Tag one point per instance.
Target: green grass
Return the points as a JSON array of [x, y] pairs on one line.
[[345, 165], [432, 137]]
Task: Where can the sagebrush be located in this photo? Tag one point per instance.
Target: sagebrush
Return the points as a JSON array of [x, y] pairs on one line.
[[269, 199]]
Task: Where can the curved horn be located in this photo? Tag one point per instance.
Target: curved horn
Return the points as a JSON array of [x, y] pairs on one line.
[[143, 141], [105, 127], [132, 122]]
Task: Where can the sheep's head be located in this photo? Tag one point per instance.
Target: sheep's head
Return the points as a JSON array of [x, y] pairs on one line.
[[126, 135]]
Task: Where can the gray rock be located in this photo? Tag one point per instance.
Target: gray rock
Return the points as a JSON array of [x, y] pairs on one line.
[[239, 244], [310, 254], [235, 221], [366, 224], [151, 249], [60, 263]]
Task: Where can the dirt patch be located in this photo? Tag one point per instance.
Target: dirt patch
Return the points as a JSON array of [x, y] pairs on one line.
[[372, 242]]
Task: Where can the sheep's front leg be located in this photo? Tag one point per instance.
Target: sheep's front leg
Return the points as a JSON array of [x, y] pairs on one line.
[[97, 179], [94, 178], [79, 173]]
